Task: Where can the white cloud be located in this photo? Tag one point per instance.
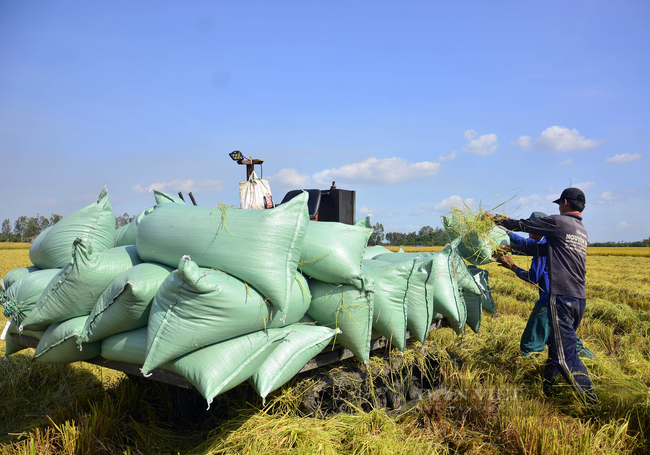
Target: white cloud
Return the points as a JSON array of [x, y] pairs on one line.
[[528, 200], [208, 185], [290, 178], [449, 157], [607, 198], [484, 145], [455, 201], [470, 134], [624, 158], [566, 162], [367, 211], [623, 225], [562, 139], [379, 171], [584, 186], [175, 186], [364, 211], [523, 142], [372, 170]]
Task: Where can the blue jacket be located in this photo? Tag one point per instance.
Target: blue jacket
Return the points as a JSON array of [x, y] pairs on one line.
[[538, 273]]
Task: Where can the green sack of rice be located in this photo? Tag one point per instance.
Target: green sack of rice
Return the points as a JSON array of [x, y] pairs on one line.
[[420, 303], [213, 369], [447, 299], [59, 343], [164, 198], [419, 300], [482, 278], [128, 347], [126, 235], [74, 291], [196, 307], [12, 275], [343, 306], [24, 293], [364, 223], [121, 237], [470, 291], [464, 277], [126, 302], [478, 248], [11, 347], [95, 224], [474, 311], [457, 224], [402, 257], [303, 342], [11, 331], [218, 368], [389, 298], [260, 247], [333, 252], [373, 251]]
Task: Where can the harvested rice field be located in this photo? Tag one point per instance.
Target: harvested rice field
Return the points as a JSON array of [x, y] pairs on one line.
[[481, 395]]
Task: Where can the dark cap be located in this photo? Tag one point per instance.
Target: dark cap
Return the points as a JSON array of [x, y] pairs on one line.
[[573, 194], [537, 215]]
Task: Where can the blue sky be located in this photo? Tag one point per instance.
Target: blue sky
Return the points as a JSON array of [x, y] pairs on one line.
[[415, 105]]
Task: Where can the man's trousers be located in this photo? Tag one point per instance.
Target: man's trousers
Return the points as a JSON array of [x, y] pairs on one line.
[[564, 316]]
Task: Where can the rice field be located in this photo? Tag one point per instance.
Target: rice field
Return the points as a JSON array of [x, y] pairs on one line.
[[13, 256], [618, 251], [489, 398], [14, 246]]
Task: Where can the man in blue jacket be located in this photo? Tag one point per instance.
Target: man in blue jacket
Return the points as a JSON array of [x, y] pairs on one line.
[[536, 334], [566, 252]]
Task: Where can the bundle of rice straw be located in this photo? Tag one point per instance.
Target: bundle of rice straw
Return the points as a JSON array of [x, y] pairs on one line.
[[480, 237]]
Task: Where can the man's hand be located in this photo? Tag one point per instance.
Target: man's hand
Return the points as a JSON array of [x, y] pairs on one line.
[[503, 249], [496, 219], [505, 261]]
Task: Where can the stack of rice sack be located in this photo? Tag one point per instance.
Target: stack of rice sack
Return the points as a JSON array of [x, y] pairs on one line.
[[223, 295], [437, 285], [211, 294], [476, 243]]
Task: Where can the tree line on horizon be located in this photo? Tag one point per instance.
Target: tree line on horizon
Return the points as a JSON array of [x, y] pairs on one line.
[[426, 236], [25, 229]]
